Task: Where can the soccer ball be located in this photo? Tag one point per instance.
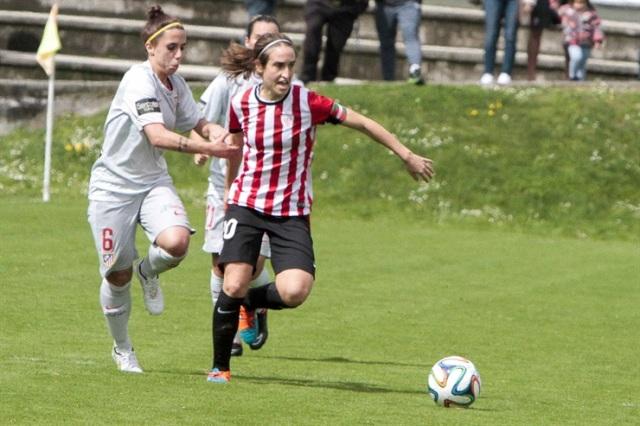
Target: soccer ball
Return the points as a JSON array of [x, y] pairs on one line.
[[454, 382]]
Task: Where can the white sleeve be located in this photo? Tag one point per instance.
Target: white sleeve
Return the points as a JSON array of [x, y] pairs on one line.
[[139, 99], [215, 100], [188, 114]]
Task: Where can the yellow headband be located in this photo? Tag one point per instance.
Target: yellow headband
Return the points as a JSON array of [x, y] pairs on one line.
[[166, 27]]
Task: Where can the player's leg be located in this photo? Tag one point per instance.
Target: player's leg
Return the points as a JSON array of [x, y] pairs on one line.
[[253, 323], [293, 262], [242, 237], [214, 219], [113, 226], [165, 222]]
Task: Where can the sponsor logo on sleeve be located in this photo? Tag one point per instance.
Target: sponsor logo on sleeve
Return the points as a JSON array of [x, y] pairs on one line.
[[147, 105]]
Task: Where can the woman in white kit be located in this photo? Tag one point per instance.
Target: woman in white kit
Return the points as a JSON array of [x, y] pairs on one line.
[[130, 183]]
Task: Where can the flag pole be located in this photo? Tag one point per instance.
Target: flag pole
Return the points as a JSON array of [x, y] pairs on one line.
[[45, 56], [48, 137]]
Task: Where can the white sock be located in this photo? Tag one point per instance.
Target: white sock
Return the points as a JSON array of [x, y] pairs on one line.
[[157, 261], [215, 284], [116, 307], [263, 278]]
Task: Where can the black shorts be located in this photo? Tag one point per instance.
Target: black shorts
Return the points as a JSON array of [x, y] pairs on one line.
[[289, 236]]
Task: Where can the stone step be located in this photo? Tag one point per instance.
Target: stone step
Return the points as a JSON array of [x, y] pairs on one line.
[[452, 59], [441, 25]]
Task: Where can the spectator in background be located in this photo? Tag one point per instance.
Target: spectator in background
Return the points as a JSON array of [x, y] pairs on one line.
[[497, 13], [538, 14], [406, 14], [581, 28], [338, 16], [260, 7]]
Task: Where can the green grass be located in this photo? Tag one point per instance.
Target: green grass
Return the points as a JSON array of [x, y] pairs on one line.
[[550, 323], [546, 160], [522, 255]]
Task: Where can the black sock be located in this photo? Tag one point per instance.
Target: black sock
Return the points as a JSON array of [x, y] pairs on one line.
[[265, 296], [225, 326]]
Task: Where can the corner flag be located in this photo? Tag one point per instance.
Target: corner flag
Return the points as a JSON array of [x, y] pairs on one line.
[[50, 43]]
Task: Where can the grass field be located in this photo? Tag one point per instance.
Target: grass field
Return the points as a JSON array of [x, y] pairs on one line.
[[552, 324], [523, 255]]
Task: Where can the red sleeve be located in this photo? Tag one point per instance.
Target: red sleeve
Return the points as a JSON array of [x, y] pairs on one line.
[[234, 123], [325, 110]]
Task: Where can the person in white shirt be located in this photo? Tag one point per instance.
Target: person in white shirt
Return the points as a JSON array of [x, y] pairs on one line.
[[130, 184]]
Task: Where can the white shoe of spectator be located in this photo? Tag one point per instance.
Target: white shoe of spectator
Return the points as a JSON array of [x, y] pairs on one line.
[[486, 79], [504, 79]]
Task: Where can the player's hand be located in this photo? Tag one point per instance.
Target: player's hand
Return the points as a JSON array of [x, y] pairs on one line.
[[419, 167], [200, 159], [214, 131], [220, 149]]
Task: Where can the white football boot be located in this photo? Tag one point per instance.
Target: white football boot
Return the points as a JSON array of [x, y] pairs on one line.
[[151, 292], [126, 360]]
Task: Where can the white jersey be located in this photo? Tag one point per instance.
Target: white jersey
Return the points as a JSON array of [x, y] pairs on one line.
[[129, 164], [214, 103]]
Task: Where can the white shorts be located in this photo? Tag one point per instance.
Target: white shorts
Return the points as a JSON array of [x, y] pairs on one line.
[[113, 224], [213, 226]]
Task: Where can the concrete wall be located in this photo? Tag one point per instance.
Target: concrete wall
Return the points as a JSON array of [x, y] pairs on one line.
[[452, 38]]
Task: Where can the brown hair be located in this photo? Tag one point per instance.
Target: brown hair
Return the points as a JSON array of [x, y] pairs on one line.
[[156, 19], [238, 59], [261, 18]]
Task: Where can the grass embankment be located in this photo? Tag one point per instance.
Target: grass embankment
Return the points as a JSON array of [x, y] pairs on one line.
[[556, 160]]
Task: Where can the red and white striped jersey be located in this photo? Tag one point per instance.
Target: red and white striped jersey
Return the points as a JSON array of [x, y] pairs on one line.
[[275, 175]]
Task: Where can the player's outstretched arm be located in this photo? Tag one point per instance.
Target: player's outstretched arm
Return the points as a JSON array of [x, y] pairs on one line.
[[418, 167], [161, 137]]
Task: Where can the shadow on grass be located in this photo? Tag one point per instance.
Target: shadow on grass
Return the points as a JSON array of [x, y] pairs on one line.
[[344, 386], [341, 360]]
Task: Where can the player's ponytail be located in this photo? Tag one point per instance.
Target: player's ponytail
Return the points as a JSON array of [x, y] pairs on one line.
[[157, 23], [237, 59]]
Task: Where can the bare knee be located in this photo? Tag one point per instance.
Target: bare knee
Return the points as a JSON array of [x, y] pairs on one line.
[[236, 279], [120, 278], [174, 241], [295, 296], [294, 286]]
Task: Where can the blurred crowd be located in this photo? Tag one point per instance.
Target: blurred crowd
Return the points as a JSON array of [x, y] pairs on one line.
[[335, 19]]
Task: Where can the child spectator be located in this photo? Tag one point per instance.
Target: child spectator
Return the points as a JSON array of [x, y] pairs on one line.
[[581, 28]]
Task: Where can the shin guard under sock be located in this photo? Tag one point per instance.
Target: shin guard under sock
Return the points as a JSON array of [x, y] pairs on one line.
[[225, 326]]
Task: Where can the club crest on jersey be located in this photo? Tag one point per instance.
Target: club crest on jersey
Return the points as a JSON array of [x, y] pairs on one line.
[[147, 105], [108, 260], [287, 120]]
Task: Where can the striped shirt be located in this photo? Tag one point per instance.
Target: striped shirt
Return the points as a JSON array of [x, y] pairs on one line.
[[275, 177]]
